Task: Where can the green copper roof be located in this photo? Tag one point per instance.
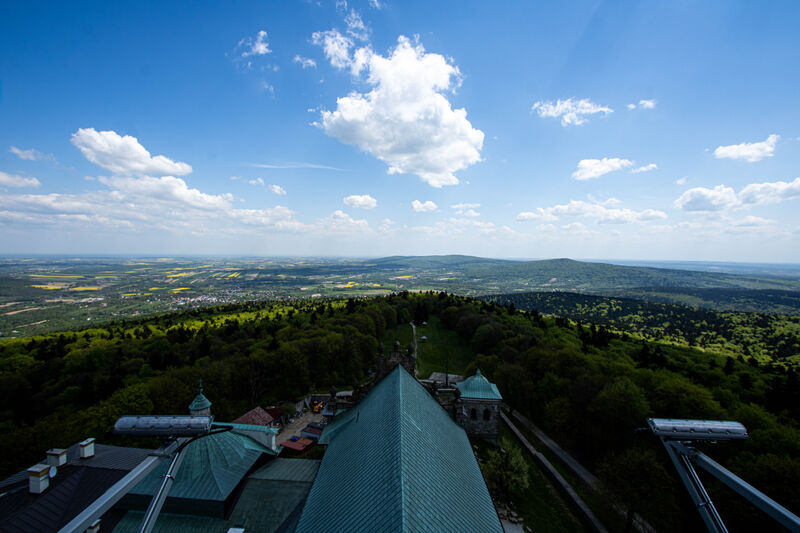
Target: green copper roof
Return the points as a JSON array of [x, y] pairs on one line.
[[398, 462], [200, 402], [479, 388], [211, 468]]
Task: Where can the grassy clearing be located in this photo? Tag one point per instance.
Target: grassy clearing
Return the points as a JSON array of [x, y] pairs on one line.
[[443, 348], [540, 505]]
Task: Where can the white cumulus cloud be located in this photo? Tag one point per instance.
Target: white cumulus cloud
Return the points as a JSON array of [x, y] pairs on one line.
[[361, 201], [750, 152], [423, 207], [770, 192], [704, 199], [571, 111], [277, 189], [12, 180], [594, 168], [405, 120], [123, 154], [257, 181]]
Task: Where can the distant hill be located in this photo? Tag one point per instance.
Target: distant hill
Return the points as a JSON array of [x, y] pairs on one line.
[[568, 274]]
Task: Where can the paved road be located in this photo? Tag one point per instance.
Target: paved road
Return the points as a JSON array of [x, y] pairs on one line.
[[291, 430]]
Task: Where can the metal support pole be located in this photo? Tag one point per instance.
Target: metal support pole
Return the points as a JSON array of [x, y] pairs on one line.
[[747, 491], [677, 453], [151, 515]]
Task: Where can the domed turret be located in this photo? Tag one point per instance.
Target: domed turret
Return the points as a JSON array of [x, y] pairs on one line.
[[201, 406]]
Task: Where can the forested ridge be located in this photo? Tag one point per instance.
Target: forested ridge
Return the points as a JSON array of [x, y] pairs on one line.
[[589, 387], [767, 337]]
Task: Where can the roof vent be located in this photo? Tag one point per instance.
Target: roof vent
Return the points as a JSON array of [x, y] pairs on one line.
[[38, 478], [56, 456], [236, 530], [86, 448], [95, 527]]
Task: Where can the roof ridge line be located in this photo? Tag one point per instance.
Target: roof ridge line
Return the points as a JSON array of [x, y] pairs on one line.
[[399, 407]]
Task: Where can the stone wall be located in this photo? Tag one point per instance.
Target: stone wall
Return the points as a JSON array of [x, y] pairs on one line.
[[479, 426]]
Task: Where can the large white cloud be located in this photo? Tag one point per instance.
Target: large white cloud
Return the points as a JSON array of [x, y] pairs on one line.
[[594, 168], [123, 154], [13, 180], [596, 210], [770, 192], [361, 201], [405, 120], [704, 199], [167, 189], [722, 198], [423, 207], [571, 111], [750, 152]]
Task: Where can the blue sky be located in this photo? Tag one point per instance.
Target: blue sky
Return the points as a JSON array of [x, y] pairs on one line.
[[653, 130]]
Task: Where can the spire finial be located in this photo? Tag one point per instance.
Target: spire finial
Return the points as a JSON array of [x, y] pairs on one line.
[[200, 385]]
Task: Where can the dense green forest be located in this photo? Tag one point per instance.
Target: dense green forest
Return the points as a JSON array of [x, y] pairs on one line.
[[767, 337], [748, 300], [589, 387]]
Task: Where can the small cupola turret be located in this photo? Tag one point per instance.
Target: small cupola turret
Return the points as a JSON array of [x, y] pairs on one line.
[[201, 406]]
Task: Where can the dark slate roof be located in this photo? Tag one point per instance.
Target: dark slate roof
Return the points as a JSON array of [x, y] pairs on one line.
[[479, 388], [256, 416], [398, 462], [77, 484], [211, 468], [281, 469], [271, 496]]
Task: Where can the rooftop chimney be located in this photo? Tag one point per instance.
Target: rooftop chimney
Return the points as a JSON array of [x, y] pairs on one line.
[[38, 478], [56, 456], [86, 448]]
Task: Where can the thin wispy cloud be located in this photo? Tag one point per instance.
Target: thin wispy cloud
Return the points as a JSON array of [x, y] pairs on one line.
[[594, 168], [30, 154], [643, 104], [304, 62], [292, 165], [645, 168], [571, 111]]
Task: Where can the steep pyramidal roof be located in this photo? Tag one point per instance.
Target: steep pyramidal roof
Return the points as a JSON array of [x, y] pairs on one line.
[[398, 462], [200, 402], [479, 388]]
